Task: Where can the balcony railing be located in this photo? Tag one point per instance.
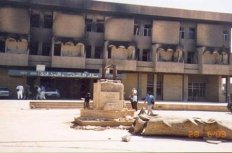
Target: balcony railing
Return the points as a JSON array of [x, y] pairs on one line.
[[68, 62], [169, 67], [129, 65], [13, 59]]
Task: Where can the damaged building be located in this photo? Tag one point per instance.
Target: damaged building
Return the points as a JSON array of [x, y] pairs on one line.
[[179, 55]]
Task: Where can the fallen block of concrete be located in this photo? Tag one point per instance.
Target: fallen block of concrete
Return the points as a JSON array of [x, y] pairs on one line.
[[182, 127]]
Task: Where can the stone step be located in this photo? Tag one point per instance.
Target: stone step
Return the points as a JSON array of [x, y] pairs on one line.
[[161, 105]]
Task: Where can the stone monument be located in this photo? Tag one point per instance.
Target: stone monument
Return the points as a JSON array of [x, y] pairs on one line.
[[108, 105]]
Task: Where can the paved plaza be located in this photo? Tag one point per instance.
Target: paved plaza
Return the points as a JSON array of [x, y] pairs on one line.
[[48, 130]]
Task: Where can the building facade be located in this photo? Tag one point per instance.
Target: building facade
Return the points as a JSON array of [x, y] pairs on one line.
[[179, 55]]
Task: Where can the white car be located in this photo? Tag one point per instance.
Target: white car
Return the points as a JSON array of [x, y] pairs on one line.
[[4, 92], [52, 93]]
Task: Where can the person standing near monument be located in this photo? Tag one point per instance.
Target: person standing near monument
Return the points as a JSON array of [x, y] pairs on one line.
[[42, 93], [150, 102], [134, 99], [87, 99]]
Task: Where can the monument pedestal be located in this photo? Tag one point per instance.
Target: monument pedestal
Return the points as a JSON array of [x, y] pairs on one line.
[[108, 106], [106, 114]]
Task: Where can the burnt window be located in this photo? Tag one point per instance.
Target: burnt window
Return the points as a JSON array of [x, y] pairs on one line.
[[137, 54], [100, 27], [57, 50], [92, 26], [145, 56], [98, 51], [34, 47], [109, 52], [46, 49], [192, 33], [226, 36], [2, 46], [181, 32], [35, 20], [190, 57], [88, 23], [147, 30], [88, 51], [48, 21]]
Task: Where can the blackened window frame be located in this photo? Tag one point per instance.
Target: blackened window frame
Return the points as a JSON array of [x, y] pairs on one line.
[[98, 52], [147, 30], [34, 48], [145, 54], [226, 36], [2, 46], [46, 48], [88, 51], [35, 20], [192, 33], [182, 33], [57, 49], [48, 21]]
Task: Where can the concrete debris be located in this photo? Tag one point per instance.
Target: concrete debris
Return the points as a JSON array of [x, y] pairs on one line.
[[126, 138]]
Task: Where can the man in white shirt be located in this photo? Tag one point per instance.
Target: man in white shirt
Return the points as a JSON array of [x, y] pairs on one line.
[[20, 90]]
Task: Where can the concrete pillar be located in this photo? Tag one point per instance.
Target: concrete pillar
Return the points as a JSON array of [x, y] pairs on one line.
[[185, 89], [221, 95], [92, 51], [105, 52], [200, 55], [53, 43], [155, 85], [154, 53], [228, 89]]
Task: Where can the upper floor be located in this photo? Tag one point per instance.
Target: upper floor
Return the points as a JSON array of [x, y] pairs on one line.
[[86, 39]]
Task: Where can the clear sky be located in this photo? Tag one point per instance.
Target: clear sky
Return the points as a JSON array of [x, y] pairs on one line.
[[223, 6]]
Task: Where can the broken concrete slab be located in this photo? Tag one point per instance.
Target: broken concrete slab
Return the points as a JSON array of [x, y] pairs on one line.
[[180, 126]]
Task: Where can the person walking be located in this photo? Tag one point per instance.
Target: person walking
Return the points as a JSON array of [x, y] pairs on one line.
[[42, 93], [27, 92], [150, 102], [20, 91], [38, 93]]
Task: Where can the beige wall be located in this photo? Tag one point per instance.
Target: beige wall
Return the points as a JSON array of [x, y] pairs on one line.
[[14, 20], [135, 80], [130, 81], [209, 35], [68, 25], [142, 85], [68, 62], [166, 32], [14, 59], [173, 87], [10, 82], [118, 29]]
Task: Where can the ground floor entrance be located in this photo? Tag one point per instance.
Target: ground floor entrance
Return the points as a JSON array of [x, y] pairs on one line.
[[69, 88], [177, 87]]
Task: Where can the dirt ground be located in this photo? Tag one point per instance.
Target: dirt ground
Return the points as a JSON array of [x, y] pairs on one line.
[[48, 130]]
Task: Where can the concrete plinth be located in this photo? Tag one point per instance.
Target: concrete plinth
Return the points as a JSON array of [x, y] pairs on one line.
[[106, 114], [101, 122]]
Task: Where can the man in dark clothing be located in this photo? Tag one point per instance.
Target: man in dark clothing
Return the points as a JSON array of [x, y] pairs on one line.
[[86, 102]]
